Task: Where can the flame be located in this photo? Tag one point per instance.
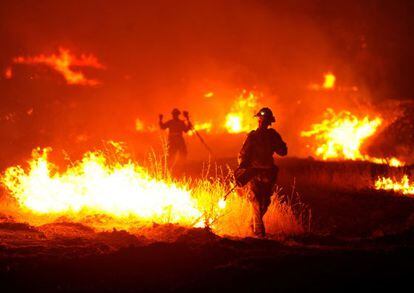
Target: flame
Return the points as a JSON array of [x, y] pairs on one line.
[[209, 95], [205, 126], [241, 116], [109, 190], [404, 186], [329, 81], [94, 186], [340, 136], [63, 63]]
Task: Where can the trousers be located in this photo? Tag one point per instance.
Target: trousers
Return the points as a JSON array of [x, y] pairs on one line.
[[261, 190]]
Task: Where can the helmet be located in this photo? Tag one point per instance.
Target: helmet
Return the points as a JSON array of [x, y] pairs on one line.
[[175, 111], [266, 113]]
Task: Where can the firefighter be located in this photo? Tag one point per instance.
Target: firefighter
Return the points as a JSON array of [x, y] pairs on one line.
[[257, 167], [176, 128]]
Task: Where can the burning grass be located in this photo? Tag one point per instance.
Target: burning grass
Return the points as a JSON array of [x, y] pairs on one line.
[[341, 136], [403, 186], [107, 189]]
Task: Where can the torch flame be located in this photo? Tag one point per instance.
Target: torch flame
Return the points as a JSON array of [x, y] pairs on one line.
[[404, 186], [63, 63]]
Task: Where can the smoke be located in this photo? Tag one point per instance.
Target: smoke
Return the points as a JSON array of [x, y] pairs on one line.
[[165, 54]]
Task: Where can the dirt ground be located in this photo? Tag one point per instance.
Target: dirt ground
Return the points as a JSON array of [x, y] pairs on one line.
[[360, 239]]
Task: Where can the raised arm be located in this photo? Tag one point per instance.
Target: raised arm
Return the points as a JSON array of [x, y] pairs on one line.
[[161, 123], [187, 125]]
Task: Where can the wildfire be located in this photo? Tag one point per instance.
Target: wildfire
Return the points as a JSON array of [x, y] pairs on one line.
[[63, 62], [340, 136], [95, 186], [241, 116], [404, 186], [108, 190]]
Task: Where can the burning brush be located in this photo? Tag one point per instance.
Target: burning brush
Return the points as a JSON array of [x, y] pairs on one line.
[[110, 190]]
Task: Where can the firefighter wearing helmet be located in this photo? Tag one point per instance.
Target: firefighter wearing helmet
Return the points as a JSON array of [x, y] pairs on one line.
[[176, 144], [257, 167]]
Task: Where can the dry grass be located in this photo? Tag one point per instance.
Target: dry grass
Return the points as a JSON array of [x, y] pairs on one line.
[[285, 214]]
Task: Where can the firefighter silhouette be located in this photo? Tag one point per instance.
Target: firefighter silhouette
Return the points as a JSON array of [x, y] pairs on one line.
[[257, 167], [176, 148]]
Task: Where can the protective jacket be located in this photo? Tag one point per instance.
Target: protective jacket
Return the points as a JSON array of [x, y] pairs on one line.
[[259, 147], [257, 167]]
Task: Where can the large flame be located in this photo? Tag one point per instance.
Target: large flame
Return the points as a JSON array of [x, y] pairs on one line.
[[108, 190], [64, 63], [403, 186], [341, 135], [241, 115], [96, 186]]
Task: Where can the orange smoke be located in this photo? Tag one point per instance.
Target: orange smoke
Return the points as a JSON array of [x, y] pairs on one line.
[[63, 63]]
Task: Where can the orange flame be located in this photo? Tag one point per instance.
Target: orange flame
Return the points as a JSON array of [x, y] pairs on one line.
[[94, 186], [329, 81], [205, 126], [340, 136], [404, 186], [63, 63], [241, 116], [108, 190]]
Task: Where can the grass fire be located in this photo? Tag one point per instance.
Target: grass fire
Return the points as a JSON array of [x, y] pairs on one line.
[[206, 146]]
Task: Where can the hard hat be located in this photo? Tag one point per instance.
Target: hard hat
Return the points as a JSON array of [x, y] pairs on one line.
[[175, 111], [266, 113]]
